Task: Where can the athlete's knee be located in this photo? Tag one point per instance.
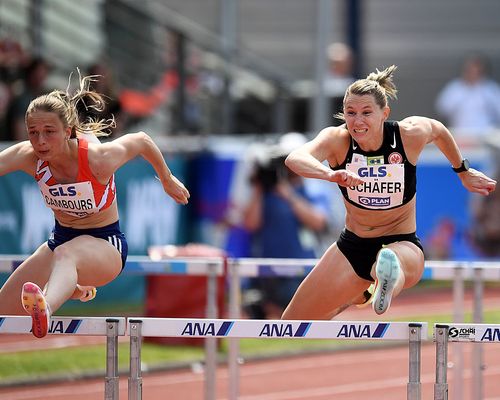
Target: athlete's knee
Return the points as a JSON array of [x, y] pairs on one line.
[[63, 253], [412, 276]]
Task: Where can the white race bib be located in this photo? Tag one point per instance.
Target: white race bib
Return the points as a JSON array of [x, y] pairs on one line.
[[76, 199], [383, 185]]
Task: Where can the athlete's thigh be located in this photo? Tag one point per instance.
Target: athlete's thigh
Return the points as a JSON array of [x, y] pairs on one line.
[[331, 284], [97, 261], [36, 268], [411, 259]]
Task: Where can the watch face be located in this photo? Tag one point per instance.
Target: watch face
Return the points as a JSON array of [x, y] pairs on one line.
[[463, 167]]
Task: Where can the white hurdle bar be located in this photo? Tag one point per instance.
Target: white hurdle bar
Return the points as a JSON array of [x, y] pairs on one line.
[[142, 265], [412, 332], [90, 326], [459, 333]]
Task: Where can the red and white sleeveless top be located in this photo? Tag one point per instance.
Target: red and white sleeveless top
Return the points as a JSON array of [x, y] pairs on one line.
[[80, 199]]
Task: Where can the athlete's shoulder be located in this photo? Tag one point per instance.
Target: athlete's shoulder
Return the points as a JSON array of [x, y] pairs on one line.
[[415, 125], [20, 156], [415, 134], [24, 148], [334, 134]]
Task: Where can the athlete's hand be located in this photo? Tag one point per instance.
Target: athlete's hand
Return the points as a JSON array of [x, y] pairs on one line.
[[345, 178], [176, 189], [84, 293], [477, 182]]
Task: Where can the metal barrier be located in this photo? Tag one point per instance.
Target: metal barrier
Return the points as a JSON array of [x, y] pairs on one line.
[[456, 271], [414, 333], [460, 333], [91, 326], [212, 267]]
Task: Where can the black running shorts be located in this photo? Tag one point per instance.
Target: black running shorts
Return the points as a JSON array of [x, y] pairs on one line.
[[362, 252]]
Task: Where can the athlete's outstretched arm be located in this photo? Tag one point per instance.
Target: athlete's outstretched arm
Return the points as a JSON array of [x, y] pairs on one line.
[[18, 157], [307, 160], [112, 155], [473, 180]]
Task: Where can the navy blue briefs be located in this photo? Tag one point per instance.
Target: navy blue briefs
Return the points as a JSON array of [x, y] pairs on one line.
[[111, 233]]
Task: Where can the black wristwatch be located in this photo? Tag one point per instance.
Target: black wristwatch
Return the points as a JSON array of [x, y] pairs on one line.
[[463, 167]]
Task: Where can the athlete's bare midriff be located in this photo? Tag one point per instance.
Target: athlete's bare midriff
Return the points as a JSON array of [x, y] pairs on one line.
[[97, 220], [370, 223]]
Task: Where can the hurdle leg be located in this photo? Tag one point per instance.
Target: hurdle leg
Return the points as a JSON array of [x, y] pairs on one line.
[[457, 348], [414, 388], [234, 343], [441, 385], [477, 350], [135, 378], [211, 342], [111, 385]]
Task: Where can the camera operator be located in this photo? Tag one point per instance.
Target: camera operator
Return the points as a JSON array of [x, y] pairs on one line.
[[283, 221]]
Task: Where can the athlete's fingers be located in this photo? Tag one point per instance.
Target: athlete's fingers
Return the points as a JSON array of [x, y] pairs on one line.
[[350, 178]]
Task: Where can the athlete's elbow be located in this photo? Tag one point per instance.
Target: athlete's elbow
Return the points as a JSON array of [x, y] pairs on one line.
[[291, 160], [319, 224], [146, 142], [143, 136]]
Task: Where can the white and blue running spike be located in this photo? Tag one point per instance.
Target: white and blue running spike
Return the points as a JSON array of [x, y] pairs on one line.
[[388, 272]]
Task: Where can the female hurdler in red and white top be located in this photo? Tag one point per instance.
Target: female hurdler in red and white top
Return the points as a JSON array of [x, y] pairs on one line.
[[75, 173]]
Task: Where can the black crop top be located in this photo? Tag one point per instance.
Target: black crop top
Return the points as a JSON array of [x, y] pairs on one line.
[[390, 179]]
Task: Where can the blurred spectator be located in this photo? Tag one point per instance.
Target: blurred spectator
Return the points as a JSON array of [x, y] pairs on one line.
[[35, 76], [471, 103], [178, 87], [440, 241], [253, 115], [5, 98], [485, 230], [340, 76], [12, 61], [104, 83], [283, 222]]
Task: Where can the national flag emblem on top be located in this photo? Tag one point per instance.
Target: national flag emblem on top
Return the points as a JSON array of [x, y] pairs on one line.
[[379, 160]]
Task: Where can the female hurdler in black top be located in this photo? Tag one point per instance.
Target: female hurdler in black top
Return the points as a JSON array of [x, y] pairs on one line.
[[373, 161]]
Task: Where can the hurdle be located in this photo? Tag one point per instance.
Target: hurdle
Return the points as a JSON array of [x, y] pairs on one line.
[[455, 271], [90, 326], [413, 332], [478, 272], [459, 333], [211, 267]]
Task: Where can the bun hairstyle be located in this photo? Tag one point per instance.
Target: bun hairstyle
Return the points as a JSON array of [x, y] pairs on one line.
[[78, 109], [384, 79], [379, 84]]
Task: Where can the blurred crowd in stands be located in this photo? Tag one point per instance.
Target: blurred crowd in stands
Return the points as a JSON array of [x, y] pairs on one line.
[[24, 76]]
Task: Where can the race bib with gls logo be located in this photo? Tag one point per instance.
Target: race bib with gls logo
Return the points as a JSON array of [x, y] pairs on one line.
[[383, 185], [76, 199]]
